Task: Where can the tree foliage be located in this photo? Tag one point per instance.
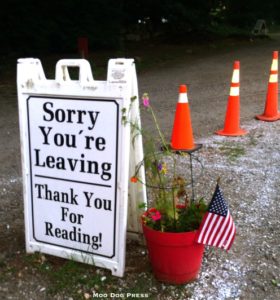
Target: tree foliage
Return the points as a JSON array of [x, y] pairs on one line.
[[31, 26]]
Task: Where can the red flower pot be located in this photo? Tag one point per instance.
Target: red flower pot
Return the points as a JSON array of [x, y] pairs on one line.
[[175, 257]]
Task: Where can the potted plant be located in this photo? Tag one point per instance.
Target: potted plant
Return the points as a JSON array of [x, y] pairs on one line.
[[171, 220]]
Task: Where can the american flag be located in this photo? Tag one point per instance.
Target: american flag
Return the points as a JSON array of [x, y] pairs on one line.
[[217, 227]]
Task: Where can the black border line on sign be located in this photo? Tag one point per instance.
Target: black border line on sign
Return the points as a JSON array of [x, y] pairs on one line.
[[77, 181], [108, 186]]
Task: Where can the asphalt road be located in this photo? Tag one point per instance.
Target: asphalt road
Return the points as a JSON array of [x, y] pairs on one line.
[[208, 77]]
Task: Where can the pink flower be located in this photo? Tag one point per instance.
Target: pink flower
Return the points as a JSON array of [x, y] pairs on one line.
[[156, 216], [146, 100], [151, 213]]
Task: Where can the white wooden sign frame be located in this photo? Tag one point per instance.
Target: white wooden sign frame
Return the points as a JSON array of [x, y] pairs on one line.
[[40, 101]]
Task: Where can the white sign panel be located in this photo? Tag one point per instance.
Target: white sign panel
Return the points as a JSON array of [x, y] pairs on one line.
[[73, 146], [76, 159]]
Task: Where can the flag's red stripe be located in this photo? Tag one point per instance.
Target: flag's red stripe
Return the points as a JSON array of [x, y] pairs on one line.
[[230, 238], [203, 226], [209, 227], [214, 229], [221, 230], [233, 237], [225, 233]]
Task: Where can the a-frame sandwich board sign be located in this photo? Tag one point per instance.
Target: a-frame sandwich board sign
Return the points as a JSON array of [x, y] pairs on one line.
[[122, 71], [76, 159]]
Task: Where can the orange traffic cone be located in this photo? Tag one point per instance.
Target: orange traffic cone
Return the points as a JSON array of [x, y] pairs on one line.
[[231, 126], [271, 112], [182, 134]]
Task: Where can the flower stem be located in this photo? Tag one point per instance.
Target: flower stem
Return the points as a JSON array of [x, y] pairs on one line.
[[174, 209], [158, 129]]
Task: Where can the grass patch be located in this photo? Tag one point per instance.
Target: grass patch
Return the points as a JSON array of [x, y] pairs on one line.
[[66, 276], [232, 150], [80, 281], [5, 271], [73, 277]]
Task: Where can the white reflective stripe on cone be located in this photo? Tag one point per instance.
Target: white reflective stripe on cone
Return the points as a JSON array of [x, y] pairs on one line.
[[183, 98], [234, 91], [273, 78], [274, 65], [235, 76]]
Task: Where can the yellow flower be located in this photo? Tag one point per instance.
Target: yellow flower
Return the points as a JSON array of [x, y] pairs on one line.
[[164, 168]]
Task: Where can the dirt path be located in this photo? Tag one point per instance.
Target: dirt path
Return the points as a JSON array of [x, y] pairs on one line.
[[249, 167]]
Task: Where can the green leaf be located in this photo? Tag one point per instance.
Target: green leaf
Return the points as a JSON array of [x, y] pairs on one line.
[[133, 98], [142, 205], [275, 282]]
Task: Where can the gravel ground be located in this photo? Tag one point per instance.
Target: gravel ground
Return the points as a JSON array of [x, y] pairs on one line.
[[250, 182], [248, 167]]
